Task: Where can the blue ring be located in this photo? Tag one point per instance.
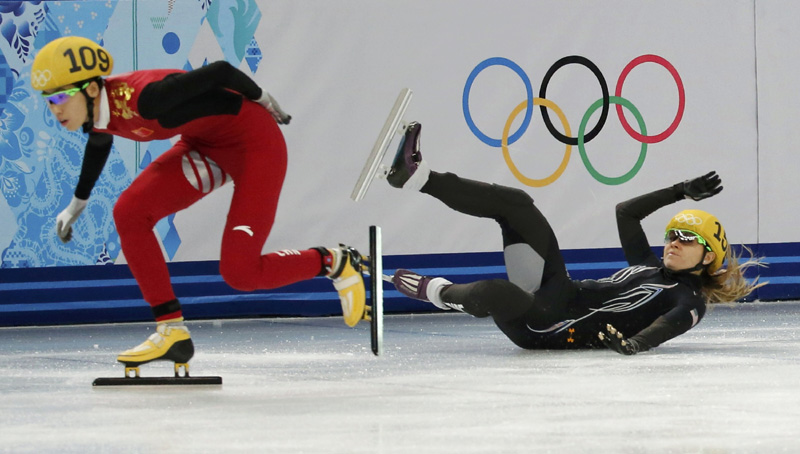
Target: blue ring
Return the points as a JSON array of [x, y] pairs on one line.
[[497, 61]]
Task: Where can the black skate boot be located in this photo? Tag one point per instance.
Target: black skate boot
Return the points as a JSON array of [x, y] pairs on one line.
[[417, 286], [408, 170]]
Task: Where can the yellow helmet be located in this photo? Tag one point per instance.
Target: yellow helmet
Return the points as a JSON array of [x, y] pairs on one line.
[[69, 60], [707, 227]]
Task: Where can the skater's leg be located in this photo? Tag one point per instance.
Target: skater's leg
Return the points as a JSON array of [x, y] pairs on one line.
[[515, 311], [498, 298], [531, 249], [502, 300], [258, 180], [530, 246], [258, 171], [160, 190]]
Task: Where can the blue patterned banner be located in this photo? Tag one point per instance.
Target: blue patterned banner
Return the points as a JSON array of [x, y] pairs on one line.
[[40, 161]]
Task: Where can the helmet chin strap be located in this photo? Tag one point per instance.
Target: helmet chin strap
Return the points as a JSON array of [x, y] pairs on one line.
[[87, 127]]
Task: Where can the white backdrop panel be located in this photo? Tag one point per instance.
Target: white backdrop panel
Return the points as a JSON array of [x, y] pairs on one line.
[[778, 114], [338, 66]]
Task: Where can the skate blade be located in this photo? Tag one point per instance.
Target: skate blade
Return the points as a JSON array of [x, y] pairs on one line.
[[392, 126], [375, 269], [132, 378], [156, 381]]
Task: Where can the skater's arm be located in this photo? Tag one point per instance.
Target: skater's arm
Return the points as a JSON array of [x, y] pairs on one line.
[[95, 156], [631, 212], [178, 88], [629, 223], [94, 159], [210, 90], [668, 326]]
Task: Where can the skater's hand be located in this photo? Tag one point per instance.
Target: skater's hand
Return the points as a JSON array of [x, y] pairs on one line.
[[66, 218], [274, 108], [616, 341], [702, 187]]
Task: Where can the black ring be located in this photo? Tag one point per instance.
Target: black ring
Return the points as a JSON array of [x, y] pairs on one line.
[[546, 115]]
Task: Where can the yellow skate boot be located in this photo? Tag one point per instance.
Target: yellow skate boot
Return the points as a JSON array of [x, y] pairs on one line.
[[345, 271], [170, 342]]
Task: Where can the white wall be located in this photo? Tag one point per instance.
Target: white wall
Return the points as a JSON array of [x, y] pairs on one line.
[[338, 66], [778, 118]]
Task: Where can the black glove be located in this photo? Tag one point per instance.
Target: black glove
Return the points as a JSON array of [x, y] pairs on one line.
[[614, 340], [701, 187]]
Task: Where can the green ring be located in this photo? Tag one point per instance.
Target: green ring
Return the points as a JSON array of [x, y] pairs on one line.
[[582, 148]]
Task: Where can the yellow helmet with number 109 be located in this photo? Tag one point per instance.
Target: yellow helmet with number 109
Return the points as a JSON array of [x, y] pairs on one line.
[[706, 226], [69, 60]]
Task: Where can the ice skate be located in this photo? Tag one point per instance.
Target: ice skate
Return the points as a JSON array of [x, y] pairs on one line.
[[422, 288], [170, 342], [345, 271], [373, 168], [408, 170]]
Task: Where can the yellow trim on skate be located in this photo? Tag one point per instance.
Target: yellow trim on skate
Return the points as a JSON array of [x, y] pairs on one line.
[[352, 294], [156, 346], [179, 366]]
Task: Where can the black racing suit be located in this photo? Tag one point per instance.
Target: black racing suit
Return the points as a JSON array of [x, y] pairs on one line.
[[540, 306]]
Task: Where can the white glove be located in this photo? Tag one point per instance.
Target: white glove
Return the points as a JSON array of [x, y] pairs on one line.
[[66, 218], [274, 108]]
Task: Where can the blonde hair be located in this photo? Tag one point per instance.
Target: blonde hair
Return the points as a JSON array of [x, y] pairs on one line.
[[729, 285]]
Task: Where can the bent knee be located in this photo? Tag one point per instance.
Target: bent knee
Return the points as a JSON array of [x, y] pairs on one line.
[[238, 276], [239, 281], [513, 196], [123, 208], [130, 214]]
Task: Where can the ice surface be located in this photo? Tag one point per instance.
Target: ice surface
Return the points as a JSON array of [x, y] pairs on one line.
[[447, 383]]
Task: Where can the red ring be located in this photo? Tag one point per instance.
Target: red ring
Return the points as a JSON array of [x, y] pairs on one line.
[[681, 98]]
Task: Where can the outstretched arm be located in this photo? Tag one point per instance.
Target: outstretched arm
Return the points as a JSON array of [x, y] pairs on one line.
[[631, 212], [95, 156], [98, 147], [670, 325]]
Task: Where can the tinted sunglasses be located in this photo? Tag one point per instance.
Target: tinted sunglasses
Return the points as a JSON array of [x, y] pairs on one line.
[[60, 97], [685, 237]]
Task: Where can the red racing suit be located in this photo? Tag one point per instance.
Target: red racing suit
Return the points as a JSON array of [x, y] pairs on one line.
[[224, 136]]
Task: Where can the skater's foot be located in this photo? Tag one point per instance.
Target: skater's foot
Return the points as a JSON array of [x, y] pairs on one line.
[[171, 342], [345, 271], [423, 288], [408, 170]]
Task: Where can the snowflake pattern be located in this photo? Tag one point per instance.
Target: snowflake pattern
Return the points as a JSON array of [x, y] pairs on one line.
[[40, 161]]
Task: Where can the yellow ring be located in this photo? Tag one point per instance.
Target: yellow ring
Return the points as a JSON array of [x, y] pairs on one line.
[[536, 183]]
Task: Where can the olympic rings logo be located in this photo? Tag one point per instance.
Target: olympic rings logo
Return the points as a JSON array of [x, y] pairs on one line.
[[688, 219], [582, 137], [40, 78]]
